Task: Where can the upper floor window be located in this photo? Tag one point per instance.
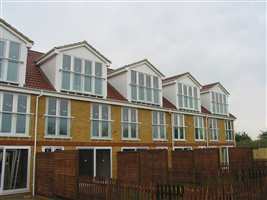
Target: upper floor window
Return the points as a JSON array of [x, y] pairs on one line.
[[178, 127], [9, 61], [219, 103], [145, 88], [158, 125], [14, 114], [229, 130], [213, 129], [80, 75], [129, 123], [188, 97], [100, 121], [57, 117], [199, 128]]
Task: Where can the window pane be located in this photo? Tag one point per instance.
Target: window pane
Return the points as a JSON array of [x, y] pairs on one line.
[[21, 123], [16, 169], [133, 115], [87, 84], [22, 103], [105, 112], [77, 65], [141, 79], [95, 111], [66, 80], [155, 82], [161, 118], [98, 69], [98, 85], [148, 81], [8, 102], [77, 82], [12, 71], [181, 131], [149, 94], [2, 48], [51, 125], [133, 130], [52, 106], [133, 77], [66, 62], [155, 132], [176, 133], [125, 114], [155, 117], [95, 128], [88, 67], [180, 101], [141, 93], [14, 50], [156, 96], [63, 127], [6, 123], [162, 132], [63, 107], [134, 92], [125, 130], [105, 128]]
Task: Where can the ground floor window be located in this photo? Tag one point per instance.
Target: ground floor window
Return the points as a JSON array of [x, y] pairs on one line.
[[182, 148], [133, 149], [95, 162], [14, 169], [52, 148]]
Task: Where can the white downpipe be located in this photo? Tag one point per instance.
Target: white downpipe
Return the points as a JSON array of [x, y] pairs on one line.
[[35, 141]]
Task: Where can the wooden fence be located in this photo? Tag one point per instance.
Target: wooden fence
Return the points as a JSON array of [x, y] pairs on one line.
[[107, 189]]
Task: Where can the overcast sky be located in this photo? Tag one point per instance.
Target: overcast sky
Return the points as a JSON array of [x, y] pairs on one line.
[[215, 42]]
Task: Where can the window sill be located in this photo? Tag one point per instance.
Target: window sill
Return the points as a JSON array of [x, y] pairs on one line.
[[200, 140], [214, 140], [57, 137], [160, 140], [96, 138], [130, 139], [14, 135], [179, 140]]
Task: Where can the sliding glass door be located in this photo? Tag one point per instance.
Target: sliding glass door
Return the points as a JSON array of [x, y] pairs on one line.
[[14, 169]]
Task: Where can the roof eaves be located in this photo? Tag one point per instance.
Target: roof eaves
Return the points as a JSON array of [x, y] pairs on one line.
[[16, 31]]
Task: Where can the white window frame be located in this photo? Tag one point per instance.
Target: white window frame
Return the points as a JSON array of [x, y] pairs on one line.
[[14, 115], [217, 106], [194, 99], [21, 190], [213, 131], [83, 75], [202, 123], [94, 150], [58, 116], [145, 88], [174, 126], [183, 148], [134, 148], [52, 148], [100, 120], [158, 126], [227, 129], [130, 122], [5, 59]]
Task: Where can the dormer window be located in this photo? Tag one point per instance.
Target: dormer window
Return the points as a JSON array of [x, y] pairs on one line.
[[9, 61], [188, 97], [145, 88], [82, 76], [219, 103]]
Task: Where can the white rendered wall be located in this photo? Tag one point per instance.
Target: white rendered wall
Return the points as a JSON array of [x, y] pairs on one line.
[[206, 100], [50, 70], [170, 92], [119, 82]]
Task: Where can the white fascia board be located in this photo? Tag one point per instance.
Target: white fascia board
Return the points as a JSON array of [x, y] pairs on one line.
[[29, 91]]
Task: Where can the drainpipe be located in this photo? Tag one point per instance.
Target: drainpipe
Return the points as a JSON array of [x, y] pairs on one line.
[[35, 141], [207, 132]]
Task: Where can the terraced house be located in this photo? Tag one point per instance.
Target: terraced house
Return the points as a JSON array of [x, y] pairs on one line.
[[70, 98]]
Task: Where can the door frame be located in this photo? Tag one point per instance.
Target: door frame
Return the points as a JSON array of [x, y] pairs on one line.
[[94, 148], [21, 190]]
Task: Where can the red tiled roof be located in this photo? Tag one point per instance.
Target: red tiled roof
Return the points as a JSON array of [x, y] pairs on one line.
[[35, 78], [112, 93], [205, 110], [167, 104]]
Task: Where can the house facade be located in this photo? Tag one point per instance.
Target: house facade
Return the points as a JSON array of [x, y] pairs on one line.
[[70, 98]]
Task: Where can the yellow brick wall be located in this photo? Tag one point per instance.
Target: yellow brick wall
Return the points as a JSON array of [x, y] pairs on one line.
[[260, 153]]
